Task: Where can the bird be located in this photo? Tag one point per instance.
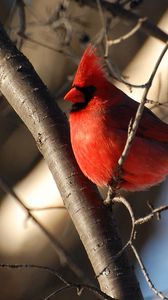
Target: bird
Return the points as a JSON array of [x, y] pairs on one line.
[[99, 119]]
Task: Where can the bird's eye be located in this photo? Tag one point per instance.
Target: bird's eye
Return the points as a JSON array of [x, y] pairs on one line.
[[88, 92]]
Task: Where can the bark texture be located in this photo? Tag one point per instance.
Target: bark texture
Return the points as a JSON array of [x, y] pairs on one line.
[[29, 97]]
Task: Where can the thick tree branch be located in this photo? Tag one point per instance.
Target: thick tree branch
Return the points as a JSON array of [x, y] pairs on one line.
[[94, 222]]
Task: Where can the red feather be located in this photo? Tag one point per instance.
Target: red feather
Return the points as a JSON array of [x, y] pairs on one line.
[[90, 65], [99, 124]]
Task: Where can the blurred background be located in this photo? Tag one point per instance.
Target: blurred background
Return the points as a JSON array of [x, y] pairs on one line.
[[53, 35]]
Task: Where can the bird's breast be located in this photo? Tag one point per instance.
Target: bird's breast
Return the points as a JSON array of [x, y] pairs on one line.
[[93, 147]]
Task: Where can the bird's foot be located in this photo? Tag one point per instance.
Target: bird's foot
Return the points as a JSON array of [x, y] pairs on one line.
[[110, 195], [113, 190]]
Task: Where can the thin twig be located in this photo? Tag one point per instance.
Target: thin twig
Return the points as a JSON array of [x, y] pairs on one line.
[[146, 275], [120, 77], [45, 208], [129, 34], [132, 133], [22, 22], [80, 288], [103, 32], [11, 14], [30, 39], [68, 284], [117, 10], [66, 51], [124, 202], [58, 291], [68, 28], [132, 236], [148, 217], [104, 29], [32, 266]]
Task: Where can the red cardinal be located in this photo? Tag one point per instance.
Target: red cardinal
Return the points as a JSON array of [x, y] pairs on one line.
[[99, 121]]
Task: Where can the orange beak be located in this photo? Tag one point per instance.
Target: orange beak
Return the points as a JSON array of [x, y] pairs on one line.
[[75, 96]]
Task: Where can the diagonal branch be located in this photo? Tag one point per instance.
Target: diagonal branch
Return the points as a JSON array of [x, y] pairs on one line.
[[128, 34], [146, 275], [135, 124], [150, 216], [132, 237], [132, 129], [67, 284], [94, 222], [117, 10]]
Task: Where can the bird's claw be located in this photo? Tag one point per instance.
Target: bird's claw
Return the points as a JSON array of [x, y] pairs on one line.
[[113, 189], [110, 195]]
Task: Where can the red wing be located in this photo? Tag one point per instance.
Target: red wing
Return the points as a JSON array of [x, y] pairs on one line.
[[150, 126]]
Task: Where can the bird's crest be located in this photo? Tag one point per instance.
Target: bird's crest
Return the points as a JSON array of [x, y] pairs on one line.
[[90, 70]]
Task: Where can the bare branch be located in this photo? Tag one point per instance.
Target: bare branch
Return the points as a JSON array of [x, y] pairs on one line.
[[94, 222], [102, 19], [80, 287], [133, 235], [45, 208], [150, 216], [117, 10], [114, 185], [124, 202], [30, 39], [22, 22], [129, 34], [120, 78], [146, 275], [135, 124], [68, 284]]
